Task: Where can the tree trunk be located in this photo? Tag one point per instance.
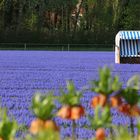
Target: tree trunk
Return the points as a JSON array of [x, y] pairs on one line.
[[62, 18], [20, 15], [77, 15], [68, 19]]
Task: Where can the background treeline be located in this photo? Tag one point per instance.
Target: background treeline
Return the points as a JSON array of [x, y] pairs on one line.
[[67, 21]]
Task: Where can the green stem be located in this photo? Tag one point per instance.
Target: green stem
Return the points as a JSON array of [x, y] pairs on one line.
[[73, 130], [132, 126], [111, 133]]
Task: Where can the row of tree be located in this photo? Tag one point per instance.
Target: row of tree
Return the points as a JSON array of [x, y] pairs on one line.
[[63, 21]]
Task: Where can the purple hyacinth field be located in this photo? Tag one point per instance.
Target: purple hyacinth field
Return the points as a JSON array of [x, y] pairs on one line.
[[23, 73]]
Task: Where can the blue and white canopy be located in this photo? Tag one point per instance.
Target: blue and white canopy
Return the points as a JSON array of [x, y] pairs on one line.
[[129, 34], [128, 42]]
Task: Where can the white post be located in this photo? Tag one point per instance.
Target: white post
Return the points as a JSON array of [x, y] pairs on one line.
[[68, 47], [24, 46], [117, 54]]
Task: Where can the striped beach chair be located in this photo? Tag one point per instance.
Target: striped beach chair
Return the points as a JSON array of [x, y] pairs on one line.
[[127, 47]]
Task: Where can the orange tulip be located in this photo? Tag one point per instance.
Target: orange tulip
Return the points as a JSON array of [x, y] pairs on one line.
[[115, 101], [77, 112], [125, 108], [134, 111], [50, 125], [36, 126], [100, 134], [99, 100], [95, 101], [102, 100], [64, 112]]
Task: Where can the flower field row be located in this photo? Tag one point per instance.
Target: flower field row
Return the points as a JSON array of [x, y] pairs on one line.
[[24, 73]]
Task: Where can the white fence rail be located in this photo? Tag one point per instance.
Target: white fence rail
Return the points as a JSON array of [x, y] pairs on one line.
[[59, 47]]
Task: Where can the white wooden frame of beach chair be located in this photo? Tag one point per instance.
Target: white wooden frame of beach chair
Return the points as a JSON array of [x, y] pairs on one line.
[[127, 44]]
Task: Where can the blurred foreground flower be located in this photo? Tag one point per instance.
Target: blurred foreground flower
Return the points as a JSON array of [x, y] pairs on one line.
[[8, 128], [43, 106], [105, 86], [71, 107], [134, 82], [44, 135]]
